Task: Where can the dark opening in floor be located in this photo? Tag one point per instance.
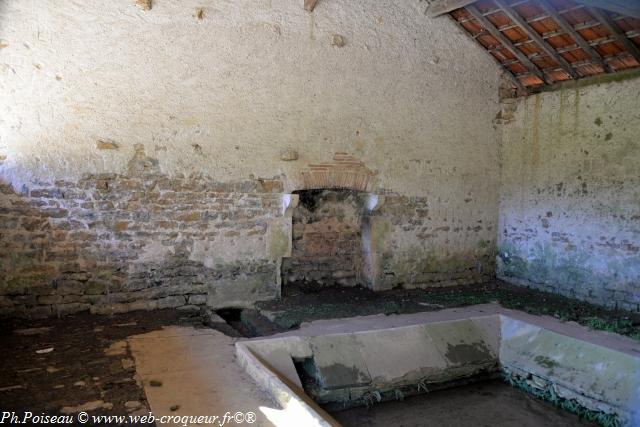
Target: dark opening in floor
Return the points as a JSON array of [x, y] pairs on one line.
[[233, 317]]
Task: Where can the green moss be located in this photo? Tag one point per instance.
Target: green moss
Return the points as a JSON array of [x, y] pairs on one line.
[[278, 244], [596, 80], [618, 326], [380, 234], [548, 394], [19, 261], [411, 301], [511, 262], [545, 263], [483, 243], [545, 361]]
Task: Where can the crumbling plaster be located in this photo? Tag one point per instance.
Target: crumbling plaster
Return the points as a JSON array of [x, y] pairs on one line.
[[570, 193], [225, 95], [254, 89]]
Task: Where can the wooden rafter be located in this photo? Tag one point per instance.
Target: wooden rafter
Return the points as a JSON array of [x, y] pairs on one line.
[[568, 29], [631, 73], [615, 31], [440, 7], [623, 7], [587, 61], [506, 43], [519, 87], [533, 35], [309, 5], [532, 19]]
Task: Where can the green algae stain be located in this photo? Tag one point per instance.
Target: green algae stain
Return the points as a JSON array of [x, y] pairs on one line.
[[545, 361], [576, 112], [278, 244], [535, 150], [380, 235], [563, 101], [483, 244], [468, 353]]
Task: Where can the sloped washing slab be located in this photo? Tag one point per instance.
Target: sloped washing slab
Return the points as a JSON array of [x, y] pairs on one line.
[[594, 376], [355, 359]]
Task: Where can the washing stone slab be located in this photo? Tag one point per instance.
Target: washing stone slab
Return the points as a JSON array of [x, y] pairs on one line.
[[599, 370], [195, 370]]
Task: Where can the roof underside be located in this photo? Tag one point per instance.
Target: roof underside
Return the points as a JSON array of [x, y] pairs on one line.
[[542, 42]]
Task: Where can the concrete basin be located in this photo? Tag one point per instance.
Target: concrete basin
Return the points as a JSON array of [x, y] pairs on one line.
[[372, 358]]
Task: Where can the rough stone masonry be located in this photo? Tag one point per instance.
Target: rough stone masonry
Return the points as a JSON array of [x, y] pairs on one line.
[[570, 198], [141, 240], [112, 243], [146, 155], [327, 239]]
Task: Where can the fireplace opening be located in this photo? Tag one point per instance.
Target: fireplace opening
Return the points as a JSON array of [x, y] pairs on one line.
[[327, 230]]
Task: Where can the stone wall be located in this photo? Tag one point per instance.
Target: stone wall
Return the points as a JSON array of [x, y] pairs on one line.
[[252, 88], [327, 239], [420, 242], [141, 240], [118, 242], [570, 194], [100, 94]]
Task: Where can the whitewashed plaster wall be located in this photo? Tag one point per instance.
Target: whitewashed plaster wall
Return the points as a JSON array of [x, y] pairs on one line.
[[570, 193], [410, 96]]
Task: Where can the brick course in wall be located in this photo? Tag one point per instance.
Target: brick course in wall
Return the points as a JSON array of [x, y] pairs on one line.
[[327, 241]]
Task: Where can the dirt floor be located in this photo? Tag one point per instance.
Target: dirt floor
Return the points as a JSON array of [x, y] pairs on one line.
[[49, 365], [490, 404], [54, 365]]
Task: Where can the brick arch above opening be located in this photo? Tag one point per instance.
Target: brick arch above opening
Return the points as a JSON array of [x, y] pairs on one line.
[[344, 172]]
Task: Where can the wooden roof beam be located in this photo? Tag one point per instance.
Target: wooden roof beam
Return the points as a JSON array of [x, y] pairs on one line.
[[519, 86], [440, 7], [507, 43], [615, 31], [568, 28], [579, 64], [569, 48], [534, 18], [623, 7], [309, 5], [533, 35]]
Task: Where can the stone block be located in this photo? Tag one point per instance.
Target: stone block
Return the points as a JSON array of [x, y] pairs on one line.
[[198, 299], [50, 299], [70, 287], [50, 193], [38, 312], [94, 299], [94, 287], [289, 155], [242, 290], [189, 308], [65, 309], [28, 300], [171, 302], [142, 305], [71, 298]]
